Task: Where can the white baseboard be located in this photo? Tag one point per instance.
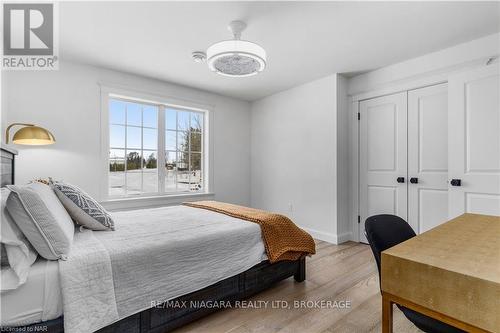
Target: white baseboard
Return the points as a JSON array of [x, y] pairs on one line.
[[328, 237], [345, 237]]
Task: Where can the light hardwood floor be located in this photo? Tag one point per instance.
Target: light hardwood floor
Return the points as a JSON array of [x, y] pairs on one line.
[[335, 273]]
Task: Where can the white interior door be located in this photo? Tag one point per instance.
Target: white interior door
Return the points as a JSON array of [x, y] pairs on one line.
[[474, 136], [382, 157], [427, 157]]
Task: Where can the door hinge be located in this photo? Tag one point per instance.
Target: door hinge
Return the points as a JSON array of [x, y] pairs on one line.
[[359, 116], [359, 219]]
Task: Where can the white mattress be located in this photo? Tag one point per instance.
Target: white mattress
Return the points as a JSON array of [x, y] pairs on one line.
[[39, 299]]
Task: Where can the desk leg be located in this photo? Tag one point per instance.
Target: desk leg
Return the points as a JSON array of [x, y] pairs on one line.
[[386, 314]]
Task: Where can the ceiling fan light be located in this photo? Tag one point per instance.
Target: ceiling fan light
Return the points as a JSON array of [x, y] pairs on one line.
[[236, 58]]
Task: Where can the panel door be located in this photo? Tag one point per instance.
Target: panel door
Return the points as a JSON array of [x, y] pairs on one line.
[[474, 136], [382, 157], [428, 157]]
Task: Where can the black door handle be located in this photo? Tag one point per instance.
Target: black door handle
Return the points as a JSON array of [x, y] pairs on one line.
[[456, 182], [400, 179], [414, 180]]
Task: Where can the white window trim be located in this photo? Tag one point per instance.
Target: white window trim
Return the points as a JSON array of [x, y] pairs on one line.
[[208, 129], [154, 201]]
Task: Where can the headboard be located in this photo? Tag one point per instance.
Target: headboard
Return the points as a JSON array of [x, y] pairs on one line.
[[8, 160]]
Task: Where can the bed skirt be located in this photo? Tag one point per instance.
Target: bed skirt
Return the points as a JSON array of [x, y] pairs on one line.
[[163, 318]]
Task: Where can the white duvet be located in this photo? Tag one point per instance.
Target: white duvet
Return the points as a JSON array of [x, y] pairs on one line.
[[154, 255]]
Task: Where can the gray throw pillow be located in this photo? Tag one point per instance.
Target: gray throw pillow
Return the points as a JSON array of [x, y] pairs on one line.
[[84, 210], [39, 214]]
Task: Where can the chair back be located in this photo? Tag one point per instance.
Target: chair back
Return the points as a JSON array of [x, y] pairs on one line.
[[385, 231]]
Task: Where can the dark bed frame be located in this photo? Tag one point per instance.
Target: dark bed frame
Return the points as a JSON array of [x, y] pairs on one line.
[[163, 318]]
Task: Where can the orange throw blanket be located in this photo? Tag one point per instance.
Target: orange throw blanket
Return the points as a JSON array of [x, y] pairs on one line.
[[282, 238]]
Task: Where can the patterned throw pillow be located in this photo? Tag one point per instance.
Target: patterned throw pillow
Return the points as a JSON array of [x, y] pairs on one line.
[[84, 210]]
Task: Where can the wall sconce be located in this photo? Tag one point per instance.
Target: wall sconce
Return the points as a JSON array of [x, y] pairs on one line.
[[30, 135]]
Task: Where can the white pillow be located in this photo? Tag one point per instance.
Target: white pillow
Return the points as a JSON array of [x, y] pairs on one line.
[[20, 253], [42, 218]]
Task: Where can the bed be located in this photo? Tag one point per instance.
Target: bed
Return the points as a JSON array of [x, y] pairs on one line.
[[223, 261]]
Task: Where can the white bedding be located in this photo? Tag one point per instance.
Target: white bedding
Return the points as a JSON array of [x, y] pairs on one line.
[[38, 299], [154, 255]]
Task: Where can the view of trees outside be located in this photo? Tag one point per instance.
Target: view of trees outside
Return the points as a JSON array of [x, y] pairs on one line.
[[133, 159], [184, 149]]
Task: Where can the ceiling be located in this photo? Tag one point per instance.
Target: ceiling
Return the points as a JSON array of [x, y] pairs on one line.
[[303, 40]]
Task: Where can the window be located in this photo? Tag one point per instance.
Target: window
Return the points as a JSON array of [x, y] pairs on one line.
[[183, 150], [154, 148]]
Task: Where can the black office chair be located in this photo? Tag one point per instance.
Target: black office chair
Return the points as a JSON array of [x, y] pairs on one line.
[[385, 231]]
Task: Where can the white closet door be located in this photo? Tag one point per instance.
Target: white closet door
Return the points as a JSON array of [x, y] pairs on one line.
[[428, 157], [474, 136], [382, 157]]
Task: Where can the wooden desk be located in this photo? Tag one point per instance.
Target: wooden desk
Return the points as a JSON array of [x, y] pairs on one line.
[[450, 273]]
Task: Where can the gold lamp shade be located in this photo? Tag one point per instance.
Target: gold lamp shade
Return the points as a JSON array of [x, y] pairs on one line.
[[31, 135]]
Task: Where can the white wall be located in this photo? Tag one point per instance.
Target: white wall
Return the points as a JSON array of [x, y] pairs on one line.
[[342, 160], [294, 161], [457, 57], [67, 102]]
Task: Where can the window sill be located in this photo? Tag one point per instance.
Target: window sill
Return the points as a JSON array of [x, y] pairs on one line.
[[153, 201]]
